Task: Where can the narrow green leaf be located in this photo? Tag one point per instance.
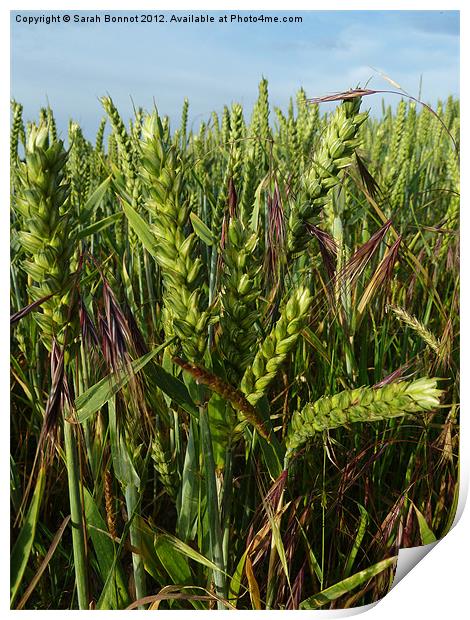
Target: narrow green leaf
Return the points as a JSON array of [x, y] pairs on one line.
[[133, 497], [346, 585], [257, 205], [236, 581], [152, 564], [188, 497], [314, 563], [427, 535], [273, 452], [99, 394], [141, 228], [182, 548], [221, 424], [15, 485], [277, 537], [172, 387], [122, 461], [114, 595], [213, 513], [175, 563], [202, 231], [24, 543], [313, 340], [94, 200], [44, 564], [358, 540], [99, 226]]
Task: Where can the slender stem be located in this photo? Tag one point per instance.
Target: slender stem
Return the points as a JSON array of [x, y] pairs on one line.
[[227, 504], [323, 510], [132, 503], [81, 384], [78, 536], [150, 289], [212, 284], [130, 481], [273, 556], [271, 582], [215, 533]]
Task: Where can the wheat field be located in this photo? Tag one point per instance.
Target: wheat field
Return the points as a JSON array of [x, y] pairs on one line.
[[234, 353]]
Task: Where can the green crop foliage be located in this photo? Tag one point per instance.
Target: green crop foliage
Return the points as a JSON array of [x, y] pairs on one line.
[[234, 353]]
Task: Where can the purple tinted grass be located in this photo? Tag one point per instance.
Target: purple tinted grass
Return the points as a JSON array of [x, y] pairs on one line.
[[364, 92], [14, 318]]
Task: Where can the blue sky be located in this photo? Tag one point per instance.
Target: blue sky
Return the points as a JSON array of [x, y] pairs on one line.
[[72, 65]]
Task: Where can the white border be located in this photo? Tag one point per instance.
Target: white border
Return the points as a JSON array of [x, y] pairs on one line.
[[438, 586]]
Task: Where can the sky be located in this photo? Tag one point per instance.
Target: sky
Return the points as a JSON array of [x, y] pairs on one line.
[[70, 65]]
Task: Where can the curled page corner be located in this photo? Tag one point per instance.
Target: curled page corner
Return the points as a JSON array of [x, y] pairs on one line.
[[408, 558]]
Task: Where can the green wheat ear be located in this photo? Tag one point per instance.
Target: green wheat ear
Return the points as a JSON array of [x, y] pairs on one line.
[[176, 251], [46, 231], [16, 129], [241, 291], [413, 323], [165, 465], [335, 153], [275, 348], [365, 404]]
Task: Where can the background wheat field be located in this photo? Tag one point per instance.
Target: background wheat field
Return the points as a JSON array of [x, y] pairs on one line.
[[234, 354]]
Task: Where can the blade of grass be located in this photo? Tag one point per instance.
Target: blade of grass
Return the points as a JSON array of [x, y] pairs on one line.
[[346, 585], [215, 532], [24, 543], [50, 552], [76, 513], [427, 535], [361, 530], [114, 595]]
